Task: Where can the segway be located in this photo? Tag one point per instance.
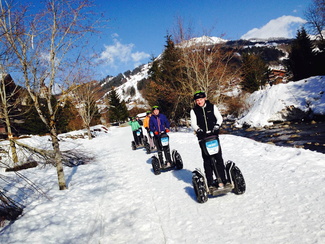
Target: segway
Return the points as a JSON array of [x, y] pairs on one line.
[[147, 142], [173, 161], [143, 141], [236, 182]]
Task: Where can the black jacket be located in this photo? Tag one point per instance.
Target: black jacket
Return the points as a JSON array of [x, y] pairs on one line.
[[205, 117]]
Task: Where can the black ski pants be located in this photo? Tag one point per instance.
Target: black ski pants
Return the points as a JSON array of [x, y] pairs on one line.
[[161, 149], [136, 138], [208, 167]]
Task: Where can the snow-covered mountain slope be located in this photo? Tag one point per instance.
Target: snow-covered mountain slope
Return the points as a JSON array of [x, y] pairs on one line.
[[124, 82], [132, 83], [275, 103], [203, 40]]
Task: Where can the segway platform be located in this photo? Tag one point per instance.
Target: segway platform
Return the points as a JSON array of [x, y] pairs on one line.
[[214, 191], [157, 166], [203, 192]]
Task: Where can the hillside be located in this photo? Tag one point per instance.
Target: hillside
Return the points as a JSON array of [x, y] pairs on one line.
[[304, 99], [129, 80]]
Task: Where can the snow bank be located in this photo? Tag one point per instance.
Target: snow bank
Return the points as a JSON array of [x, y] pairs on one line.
[[270, 104]]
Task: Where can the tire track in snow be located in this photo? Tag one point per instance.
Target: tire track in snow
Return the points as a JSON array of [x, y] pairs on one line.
[[132, 197]]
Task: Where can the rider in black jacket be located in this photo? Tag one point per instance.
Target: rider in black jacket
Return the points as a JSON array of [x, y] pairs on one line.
[[205, 116]]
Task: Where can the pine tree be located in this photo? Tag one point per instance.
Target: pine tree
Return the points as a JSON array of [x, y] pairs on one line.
[[123, 111], [117, 110], [34, 125], [66, 114], [164, 75], [301, 57], [254, 72], [154, 71], [132, 91]]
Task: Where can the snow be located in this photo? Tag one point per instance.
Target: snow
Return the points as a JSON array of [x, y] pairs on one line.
[[116, 198], [203, 40], [266, 105], [132, 81]]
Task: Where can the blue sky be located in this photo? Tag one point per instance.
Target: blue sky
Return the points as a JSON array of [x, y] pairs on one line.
[[137, 28]]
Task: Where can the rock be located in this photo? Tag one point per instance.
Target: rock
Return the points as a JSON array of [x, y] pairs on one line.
[[299, 146], [294, 136], [289, 113], [250, 129]]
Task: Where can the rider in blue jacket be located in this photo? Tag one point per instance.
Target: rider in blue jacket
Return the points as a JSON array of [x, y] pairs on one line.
[[159, 125], [158, 122]]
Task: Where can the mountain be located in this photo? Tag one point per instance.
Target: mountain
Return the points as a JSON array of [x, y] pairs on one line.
[[203, 40], [128, 83]]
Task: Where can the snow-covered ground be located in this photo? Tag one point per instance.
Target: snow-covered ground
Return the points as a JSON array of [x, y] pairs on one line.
[[116, 198], [266, 105]]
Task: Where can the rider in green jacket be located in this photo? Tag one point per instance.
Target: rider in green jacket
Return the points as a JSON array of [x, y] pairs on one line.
[[135, 126]]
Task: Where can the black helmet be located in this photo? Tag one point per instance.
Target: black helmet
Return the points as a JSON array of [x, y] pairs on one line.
[[155, 107], [199, 94]]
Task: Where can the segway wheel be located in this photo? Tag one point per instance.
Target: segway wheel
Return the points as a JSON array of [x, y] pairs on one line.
[[133, 146], [147, 146], [239, 181], [145, 139], [199, 188], [140, 140], [155, 165], [177, 159]]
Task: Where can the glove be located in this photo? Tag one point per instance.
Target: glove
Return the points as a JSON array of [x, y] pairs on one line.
[[156, 133], [215, 129], [167, 130], [200, 134]]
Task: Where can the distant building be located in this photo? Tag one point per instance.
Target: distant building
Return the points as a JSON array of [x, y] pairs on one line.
[[3, 131], [277, 76]]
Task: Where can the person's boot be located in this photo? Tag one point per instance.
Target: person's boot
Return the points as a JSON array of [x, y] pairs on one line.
[[161, 160]]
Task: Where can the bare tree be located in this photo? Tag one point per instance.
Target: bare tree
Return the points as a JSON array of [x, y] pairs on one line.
[[315, 15], [84, 97], [41, 45], [208, 65], [182, 32], [12, 96], [7, 103]]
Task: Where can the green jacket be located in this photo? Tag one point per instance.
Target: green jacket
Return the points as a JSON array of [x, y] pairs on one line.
[[134, 125]]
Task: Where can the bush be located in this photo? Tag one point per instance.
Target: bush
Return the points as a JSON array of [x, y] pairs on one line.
[[9, 209]]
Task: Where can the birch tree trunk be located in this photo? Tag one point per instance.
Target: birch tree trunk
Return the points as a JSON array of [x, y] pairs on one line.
[[5, 114], [58, 159], [45, 47]]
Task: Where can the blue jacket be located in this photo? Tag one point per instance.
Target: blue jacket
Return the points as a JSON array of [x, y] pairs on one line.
[[158, 123]]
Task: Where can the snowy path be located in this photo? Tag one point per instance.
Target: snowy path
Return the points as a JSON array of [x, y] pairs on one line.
[[118, 199], [162, 209]]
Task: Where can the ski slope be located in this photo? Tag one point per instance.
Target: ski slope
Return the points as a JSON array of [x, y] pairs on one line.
[[117, 199]]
